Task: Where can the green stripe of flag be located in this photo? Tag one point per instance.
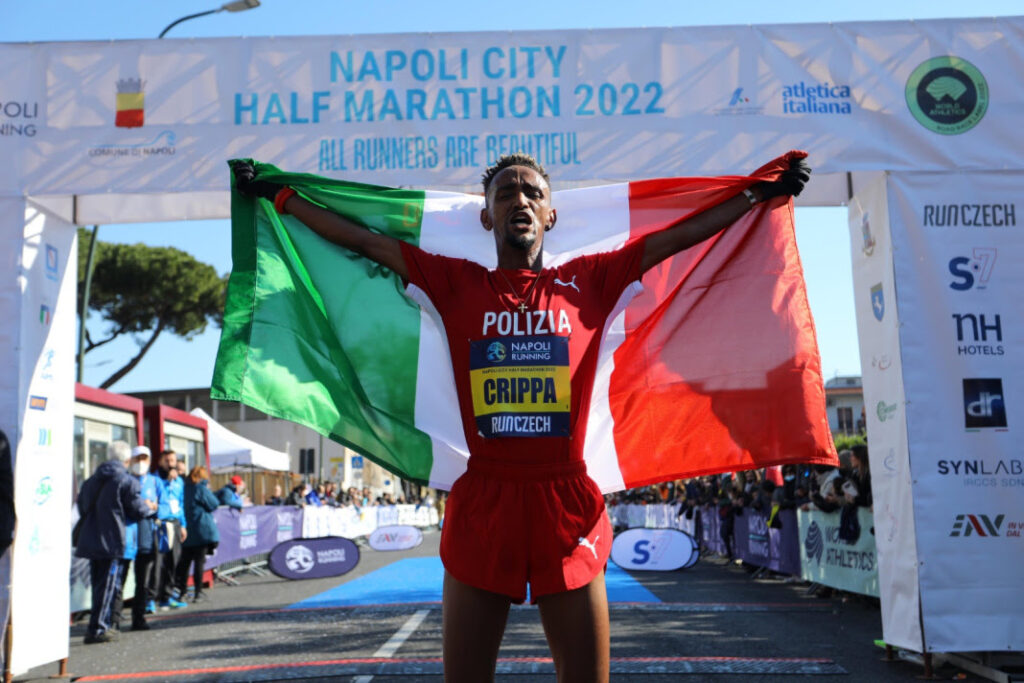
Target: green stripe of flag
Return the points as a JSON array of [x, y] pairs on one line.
[[317, 335]]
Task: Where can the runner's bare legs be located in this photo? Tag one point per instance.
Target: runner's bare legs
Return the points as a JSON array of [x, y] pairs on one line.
[[473, 622], [576, 626]]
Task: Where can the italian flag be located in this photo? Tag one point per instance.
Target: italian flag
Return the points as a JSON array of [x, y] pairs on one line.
[[711, 366]]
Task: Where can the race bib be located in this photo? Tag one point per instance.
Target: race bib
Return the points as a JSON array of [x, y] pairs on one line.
[[520, 385]]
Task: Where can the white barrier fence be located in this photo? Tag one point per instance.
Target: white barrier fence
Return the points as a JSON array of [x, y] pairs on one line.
[[351, 522]]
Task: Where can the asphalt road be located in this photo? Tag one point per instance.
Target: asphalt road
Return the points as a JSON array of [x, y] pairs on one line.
[[713, 622]]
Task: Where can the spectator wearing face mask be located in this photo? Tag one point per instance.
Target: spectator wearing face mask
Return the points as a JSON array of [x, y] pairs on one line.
[[108, 499]]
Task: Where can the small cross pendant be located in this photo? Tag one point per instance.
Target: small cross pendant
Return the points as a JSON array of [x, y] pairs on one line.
[[522, 307]]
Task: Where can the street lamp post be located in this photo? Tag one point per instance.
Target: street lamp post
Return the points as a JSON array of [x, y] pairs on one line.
[[237, 6]]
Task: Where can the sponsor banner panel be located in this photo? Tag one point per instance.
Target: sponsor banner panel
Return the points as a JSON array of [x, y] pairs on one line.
[[314, 558], [775, 548], [959, 240], [849, 563], [43, 442], [397, 537], [662, 550], [253, 530], [878, 329], [433, 110]]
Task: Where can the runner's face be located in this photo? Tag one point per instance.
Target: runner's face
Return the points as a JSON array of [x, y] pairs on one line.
[[518, 209]]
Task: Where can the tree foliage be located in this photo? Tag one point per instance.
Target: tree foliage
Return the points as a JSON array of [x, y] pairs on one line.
[[144, 291], [844, 441]]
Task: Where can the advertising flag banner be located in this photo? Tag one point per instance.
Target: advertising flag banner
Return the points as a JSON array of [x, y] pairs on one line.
[[881, 361], [318, 335], [958, 244], [42, 436]]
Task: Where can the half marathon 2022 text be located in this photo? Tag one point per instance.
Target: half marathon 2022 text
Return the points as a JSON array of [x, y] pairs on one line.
[[458, 85]]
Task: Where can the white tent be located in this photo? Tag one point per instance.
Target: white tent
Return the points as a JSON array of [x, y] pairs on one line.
[[230, 451]]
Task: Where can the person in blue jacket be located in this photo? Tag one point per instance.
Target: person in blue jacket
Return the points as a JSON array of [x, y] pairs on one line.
[[203, 536], [107, 500], [172, 514], [152, 535], [231, 493]]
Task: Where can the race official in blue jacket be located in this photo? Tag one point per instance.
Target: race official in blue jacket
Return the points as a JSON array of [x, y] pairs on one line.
[[172, 515]]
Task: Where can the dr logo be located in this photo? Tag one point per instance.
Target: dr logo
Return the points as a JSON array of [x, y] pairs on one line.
[[299, 559], [641, 554]]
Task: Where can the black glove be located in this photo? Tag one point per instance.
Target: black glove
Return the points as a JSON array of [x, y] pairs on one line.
[[790, 183], [245, 183]]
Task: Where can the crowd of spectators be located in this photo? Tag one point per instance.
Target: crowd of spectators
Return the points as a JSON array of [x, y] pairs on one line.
[[328, 494], [154, 518], [767, 490]]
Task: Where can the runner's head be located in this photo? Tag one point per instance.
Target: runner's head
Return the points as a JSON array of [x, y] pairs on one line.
[[517, 203]]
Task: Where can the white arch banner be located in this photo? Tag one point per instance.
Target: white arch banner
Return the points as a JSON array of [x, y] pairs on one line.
[[433, 110]]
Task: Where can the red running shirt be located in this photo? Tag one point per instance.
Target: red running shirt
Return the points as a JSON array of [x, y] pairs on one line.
[[524, 378]]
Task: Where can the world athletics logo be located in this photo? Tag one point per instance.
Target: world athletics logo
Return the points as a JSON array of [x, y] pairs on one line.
[[814, 543], [947, 95]]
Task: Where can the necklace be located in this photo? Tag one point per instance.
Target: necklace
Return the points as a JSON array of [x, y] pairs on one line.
[[520, 299]]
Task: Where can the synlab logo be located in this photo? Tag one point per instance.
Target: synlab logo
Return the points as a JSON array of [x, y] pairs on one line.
[[131, 103], [885, 411], [865, 232], [45, 314], [974, 271], [984, 407], [982, 525], [977, 331], [878, 302], [947, 95], [37, 402], [51, 262]]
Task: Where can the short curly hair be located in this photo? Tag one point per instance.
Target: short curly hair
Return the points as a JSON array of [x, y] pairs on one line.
[[517, 159]]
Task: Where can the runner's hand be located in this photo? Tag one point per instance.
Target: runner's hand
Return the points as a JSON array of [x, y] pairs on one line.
[[245, 182], [790, 183]]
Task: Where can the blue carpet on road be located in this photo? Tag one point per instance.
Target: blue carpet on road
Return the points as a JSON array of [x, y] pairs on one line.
[[419, 579]]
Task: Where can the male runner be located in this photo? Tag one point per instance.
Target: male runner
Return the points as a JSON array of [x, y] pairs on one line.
[[524, 341]]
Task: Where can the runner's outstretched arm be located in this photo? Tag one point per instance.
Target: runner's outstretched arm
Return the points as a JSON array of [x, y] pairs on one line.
[[334, 228], [695, 229]]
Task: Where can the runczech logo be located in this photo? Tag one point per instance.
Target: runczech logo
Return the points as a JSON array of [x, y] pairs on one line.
[[496, 352], [947, 95], [299, 559], [968, 525]]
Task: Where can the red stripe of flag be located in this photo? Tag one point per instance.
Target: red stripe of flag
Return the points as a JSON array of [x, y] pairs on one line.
[[719, 370]]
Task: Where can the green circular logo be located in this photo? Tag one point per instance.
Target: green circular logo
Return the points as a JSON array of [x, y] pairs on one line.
[[947, 95]]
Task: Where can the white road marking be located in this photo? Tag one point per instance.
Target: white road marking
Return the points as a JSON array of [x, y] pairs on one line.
[[389, 648]]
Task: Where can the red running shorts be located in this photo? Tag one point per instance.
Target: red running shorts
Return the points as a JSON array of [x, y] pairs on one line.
[[509, 525]]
